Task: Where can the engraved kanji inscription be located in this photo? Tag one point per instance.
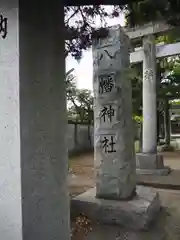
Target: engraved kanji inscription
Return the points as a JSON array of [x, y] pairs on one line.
[[148, 74], [108, 144], [3, 26], [106, 83], [107, 112]]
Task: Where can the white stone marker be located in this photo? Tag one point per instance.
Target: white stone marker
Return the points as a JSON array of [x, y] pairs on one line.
[[34, 201], [113, 138]]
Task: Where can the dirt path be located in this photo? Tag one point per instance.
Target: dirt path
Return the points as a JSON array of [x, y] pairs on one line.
[[82, 174], [82, 169]]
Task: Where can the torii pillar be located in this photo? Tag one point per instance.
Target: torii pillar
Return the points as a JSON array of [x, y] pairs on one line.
[[34, 202], [149, 161]]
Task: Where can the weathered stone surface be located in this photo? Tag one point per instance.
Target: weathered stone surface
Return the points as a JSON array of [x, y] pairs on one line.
[[135, 214], [113, 138]]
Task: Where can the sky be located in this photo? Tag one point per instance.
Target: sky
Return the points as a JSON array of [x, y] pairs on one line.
[[84, 68]]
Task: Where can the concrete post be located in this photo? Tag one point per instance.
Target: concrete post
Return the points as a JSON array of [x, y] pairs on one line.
[[149, 162], [114, 142], [33, 158]]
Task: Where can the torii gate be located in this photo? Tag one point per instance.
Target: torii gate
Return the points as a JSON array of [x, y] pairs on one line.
[[149, 162]]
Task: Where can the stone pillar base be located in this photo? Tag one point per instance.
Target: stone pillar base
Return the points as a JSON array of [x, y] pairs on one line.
[[135, 214], [151, 164]]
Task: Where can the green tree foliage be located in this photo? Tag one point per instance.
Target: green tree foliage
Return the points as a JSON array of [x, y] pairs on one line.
[[141, 12], [82, 106], [175, 103], [80, 24], [80, 20], [168, 82], [79, 101], [136, 81], [168, 89]]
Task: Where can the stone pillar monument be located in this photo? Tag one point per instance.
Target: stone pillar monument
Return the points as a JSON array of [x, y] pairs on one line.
[[113, 138], [34, 202], [116, 199], [149, 162]]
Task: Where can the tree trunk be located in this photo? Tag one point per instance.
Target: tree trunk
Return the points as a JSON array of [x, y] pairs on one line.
[[167, 122]]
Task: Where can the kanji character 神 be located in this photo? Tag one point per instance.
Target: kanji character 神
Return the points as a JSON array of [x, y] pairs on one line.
[[107, 112]]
